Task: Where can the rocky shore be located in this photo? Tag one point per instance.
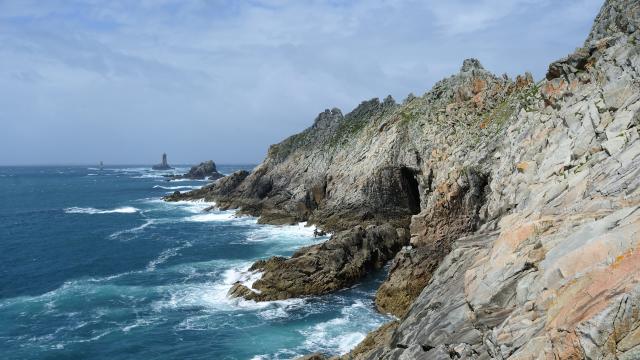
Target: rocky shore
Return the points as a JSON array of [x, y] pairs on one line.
[[509, 208]]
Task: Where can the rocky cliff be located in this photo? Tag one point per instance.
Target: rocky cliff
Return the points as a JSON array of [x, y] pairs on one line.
[[520, 199]]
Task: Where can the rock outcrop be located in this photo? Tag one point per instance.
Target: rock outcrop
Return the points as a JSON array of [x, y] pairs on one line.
[[204, 170], [163, 165], [521, 201], [335, 264]]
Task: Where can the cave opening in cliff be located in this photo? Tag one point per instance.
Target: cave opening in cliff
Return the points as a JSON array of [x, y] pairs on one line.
[[410, 186]]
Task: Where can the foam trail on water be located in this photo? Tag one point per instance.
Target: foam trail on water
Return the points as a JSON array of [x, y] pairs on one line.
[[213, 296], [180, 187], [211, 217], [341, 334], [133, 230], [166, 255], [92, 211]]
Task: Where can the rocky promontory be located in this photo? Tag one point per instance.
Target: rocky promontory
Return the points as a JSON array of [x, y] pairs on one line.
[[510, 208]]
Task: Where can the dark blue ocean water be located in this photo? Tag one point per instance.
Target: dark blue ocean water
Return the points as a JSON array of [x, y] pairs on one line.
[[94, 265]]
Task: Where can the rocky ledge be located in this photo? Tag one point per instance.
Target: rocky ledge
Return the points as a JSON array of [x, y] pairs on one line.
[[319, 269], [519, 202]]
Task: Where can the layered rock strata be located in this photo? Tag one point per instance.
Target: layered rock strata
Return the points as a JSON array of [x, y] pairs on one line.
[[521, 200]]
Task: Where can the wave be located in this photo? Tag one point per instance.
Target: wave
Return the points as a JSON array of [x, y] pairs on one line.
[[166, 255], [92, 211], [133, 230], [183, 180], [300, 230], [213, 296], [341, 334], [192, 206], [211, 217], [179, 187]]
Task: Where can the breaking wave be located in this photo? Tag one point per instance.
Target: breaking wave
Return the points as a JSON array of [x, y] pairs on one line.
[[92, 211]]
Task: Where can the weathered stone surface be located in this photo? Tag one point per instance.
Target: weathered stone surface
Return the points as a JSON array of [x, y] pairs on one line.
[[550, 274], [526, 231], [372, 342], [319, 269]]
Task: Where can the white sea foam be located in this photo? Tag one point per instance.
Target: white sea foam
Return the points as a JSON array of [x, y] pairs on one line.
[[225, 216], [343, 333], [137, 323], [183, 180], [133, 230], [266, 232], [166, 255], [213, 296], [179, 187], [92, 211]]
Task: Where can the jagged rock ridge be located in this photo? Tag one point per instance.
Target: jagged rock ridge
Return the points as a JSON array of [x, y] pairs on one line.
[[524, 242]]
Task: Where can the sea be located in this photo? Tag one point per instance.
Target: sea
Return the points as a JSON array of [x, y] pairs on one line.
[[95, 265]]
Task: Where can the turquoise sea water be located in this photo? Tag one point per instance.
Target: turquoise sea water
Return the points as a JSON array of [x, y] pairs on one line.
[[94, 265]]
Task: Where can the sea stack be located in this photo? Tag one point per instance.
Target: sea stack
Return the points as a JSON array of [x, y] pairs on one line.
[[205, 170], [163, 165]]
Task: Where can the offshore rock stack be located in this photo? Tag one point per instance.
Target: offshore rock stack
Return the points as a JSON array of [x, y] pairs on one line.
[[511, 209], [163, 165], [205, 170]]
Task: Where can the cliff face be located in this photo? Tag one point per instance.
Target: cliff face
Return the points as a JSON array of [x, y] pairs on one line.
[[553, 271], [521, 199]]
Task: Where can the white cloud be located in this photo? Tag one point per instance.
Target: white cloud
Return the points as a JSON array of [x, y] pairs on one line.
[[198, 78]]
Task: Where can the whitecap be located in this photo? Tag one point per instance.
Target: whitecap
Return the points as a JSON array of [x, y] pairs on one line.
[[213, 296], [92, 211], [183, 180], [179, 187], [284, 238], [137, 323], [166, 255], [341, 334], [133, 230], [191, 206], [211, 217]]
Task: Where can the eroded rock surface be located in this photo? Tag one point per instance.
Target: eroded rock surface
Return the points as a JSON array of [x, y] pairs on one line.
[[521, 201], [549, 274], [319, 269]]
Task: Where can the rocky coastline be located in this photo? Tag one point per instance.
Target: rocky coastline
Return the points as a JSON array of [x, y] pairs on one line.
[[509, 208]]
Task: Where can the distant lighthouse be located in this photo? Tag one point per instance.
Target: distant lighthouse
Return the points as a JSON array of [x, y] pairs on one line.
[[163, 165]]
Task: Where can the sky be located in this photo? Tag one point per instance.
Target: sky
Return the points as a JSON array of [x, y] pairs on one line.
[[123, 81]]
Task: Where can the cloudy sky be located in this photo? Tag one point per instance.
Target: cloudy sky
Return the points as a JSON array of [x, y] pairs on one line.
[[122, 81]]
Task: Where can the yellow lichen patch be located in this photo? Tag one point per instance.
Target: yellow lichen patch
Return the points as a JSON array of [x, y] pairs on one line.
[[620, 258], [522, 166]]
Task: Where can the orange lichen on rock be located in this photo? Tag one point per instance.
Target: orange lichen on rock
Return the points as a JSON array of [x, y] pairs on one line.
[[584, 298]]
